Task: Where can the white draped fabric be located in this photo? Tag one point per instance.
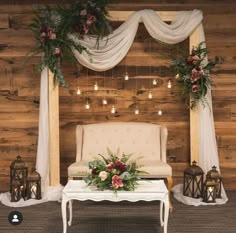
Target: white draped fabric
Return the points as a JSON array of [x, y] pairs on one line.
[[110, 52]]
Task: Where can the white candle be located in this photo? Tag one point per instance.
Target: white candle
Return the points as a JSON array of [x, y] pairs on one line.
[[209, 193], [33, 191]]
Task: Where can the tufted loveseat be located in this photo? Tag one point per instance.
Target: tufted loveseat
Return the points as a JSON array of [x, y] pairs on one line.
[[144, 140]]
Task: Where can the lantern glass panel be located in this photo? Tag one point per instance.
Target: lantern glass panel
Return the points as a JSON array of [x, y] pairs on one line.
[[209, 192], [33, 185]]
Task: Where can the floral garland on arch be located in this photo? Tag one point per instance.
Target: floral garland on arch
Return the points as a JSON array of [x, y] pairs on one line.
[[51, 28], [193, 75]]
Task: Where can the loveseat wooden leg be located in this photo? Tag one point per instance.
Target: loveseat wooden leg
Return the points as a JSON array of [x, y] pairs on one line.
[[169, 187]]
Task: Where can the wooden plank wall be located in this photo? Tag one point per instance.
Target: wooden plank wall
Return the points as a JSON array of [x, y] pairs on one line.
[[19, 88]]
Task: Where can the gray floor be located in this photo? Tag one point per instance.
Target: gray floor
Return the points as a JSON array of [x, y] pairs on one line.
[[124, 217]]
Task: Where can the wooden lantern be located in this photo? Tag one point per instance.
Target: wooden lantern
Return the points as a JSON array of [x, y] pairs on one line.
[[18, 172], [216, 177], [209, 191], [33, 185], [193, 181]]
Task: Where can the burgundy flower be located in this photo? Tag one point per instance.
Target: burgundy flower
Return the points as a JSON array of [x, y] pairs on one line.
[[195, 59], [57, 52], [117, 182], [90, 20], [120, 166], [195, 88], [190, 59], [95, 171]]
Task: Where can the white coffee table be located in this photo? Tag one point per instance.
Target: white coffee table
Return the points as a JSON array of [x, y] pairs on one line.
[[146, 191]]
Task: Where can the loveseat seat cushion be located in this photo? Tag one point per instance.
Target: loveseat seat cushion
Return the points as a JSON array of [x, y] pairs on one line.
[[155, 170]]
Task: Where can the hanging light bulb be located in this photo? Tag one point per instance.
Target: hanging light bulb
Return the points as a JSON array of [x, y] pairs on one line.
[[95, 86], [150, 95], [154, 82], [159, 112], [87, 105], [136, 111], [177, 76], [104, 101], [78, 91], [126, 76], [169, 85], [113, 109]]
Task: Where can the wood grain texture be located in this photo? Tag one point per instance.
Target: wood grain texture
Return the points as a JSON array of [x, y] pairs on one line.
[[20, 85]]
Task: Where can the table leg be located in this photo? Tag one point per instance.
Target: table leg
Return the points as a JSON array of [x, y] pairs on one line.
[[70, 212], [63, 211], [166, 214], [161, 213]]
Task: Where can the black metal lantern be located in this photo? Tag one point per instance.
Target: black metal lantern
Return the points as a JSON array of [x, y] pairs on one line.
[[15, 192], [18, 172], [193, 181], [215, 176], [33, 185], [209, 191]]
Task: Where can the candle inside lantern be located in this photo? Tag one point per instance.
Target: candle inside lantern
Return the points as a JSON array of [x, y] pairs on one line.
[[209, 193], [33, 191], [126, 76]]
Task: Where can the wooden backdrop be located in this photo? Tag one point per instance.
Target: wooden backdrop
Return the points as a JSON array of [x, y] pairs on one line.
[[20, 80]]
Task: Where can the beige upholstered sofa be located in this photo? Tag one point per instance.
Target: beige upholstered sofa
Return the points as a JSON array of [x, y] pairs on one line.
[[144, 140]]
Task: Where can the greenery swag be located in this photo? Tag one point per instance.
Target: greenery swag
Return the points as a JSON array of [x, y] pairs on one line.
[[193, 75], [52, 27]]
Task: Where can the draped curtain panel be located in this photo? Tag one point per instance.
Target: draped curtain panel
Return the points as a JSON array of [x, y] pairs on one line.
[[110, 52]]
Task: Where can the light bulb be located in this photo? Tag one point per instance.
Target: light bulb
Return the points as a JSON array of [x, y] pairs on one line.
[[169, 85], [87, 106], [159, 112], [154, 82], [177, 76], [113, 109], [150, 95], [136, 111], [78, 91], [126, 76], [104, 101], [95, 87]]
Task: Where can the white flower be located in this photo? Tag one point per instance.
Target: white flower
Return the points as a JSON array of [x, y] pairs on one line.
[[103, 175]]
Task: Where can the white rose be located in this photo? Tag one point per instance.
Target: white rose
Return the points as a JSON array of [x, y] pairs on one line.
[[103, 175]]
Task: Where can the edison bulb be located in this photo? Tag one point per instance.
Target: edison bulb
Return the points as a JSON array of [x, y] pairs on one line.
[[169, 85], [154, 82], [113, 110], [95, 87], [136, 111], [159, 112], [150, 95], [87, 106], [126, 76], [104, 101], [177, 76], [78, 91]]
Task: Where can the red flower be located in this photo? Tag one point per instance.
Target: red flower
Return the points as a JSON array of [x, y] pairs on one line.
[[117, 182], [109, 166], [195, 88], [120, 166], [90, 20], [195, 59]]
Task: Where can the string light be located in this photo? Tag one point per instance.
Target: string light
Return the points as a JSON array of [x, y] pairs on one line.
[[159, 112], [150, 95], [87, 105], [113, 109], [154, 82], [169, 85], [126, 76], [136, 111], [78, 91], [177, 76], [95, 86], [104, 101]]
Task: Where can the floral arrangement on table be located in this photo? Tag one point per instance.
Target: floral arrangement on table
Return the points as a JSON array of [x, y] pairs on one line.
[[52, 27], [114, 172], [193, 75]]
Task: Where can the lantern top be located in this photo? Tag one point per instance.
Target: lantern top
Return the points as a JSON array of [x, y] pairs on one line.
[[18, 163], [213, 174], [194, 169], [34, 175], [210, 183]]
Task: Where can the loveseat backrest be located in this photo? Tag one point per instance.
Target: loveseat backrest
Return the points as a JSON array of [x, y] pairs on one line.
[[141, 139]]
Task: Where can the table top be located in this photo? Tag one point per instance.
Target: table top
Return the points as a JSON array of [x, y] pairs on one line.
[[146, 191]]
